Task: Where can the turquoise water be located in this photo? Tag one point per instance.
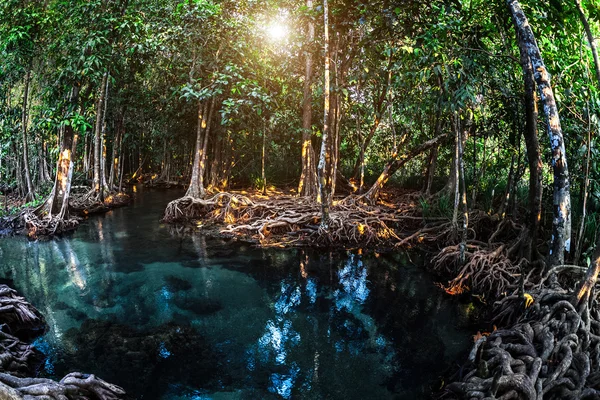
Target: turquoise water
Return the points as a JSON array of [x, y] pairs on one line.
[[172, 315]]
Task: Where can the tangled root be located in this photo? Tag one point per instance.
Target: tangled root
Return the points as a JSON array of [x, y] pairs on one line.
[[291, 220], [553, 352], [488, 271], [49, 225], [74, 386], [18, 359]]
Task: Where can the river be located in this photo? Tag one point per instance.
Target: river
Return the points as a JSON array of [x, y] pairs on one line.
[[176, 315]]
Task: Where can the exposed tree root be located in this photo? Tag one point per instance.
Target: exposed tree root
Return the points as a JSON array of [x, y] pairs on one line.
[[90, 203], [21, 321], [286, 220], [552, 352], [489, 270], [45, 226], [38, 224]]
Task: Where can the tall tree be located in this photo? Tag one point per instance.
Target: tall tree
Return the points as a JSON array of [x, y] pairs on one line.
[[561, 223], [308, 178], [325, 146]]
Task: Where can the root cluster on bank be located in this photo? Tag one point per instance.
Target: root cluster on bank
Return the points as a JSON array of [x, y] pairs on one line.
[[20, 322], [551, 352], [287, 220], [39, 224]]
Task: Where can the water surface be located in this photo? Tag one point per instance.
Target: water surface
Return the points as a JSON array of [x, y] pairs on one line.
[[173, 315]]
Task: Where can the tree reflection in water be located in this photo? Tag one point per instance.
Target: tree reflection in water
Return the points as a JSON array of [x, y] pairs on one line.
[[293, 365]]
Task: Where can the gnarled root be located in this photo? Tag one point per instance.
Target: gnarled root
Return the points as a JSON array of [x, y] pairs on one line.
[[488, 271], [49, 225], [552, 353], [74, 386], [19, 359], [293, 220]]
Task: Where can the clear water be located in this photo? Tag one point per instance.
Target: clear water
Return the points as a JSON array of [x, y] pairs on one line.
[[171, 315]]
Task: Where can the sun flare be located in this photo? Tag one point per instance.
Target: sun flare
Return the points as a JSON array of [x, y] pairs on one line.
[[277, 31]]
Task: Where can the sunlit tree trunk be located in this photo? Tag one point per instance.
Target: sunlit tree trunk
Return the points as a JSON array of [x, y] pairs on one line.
[[395, 163], [97, 182], [30, 191], [263, 159], [561, 223], [58, 201], [308, 177], [325, 148], [194, 188], [103, 141], [203, 155]]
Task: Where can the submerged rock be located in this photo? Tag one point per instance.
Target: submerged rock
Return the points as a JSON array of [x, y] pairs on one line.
[[147, 361], [175, 284]]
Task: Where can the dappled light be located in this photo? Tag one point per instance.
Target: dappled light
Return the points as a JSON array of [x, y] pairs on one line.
[[300, 199]]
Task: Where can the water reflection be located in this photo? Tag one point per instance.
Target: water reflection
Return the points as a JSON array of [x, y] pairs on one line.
[[173, 316]]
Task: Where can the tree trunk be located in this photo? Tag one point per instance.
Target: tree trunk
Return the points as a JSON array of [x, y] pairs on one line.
[[263, 160], [532, 145], [103, 141], [590, 38], [58, 201], [308, 177], [508, 191], [325, 148], [194, 188], [30, 192], [376, 121], [431, 165], [464, 206], [456, 171], [205, 147], [97, 182], [395, 163], [114, 165], [585, 192], [561, 223]]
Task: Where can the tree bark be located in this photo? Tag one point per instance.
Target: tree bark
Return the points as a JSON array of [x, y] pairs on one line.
[[325, 148], [105, 186], [263, 160], [194, 188], [585, 192], [376, 121], [395, 163], [30, 191], [308, 178], [590, 38], [97, 182], [58, 201], [561, 223], [532, 146], [456, 171], [203, 157]]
